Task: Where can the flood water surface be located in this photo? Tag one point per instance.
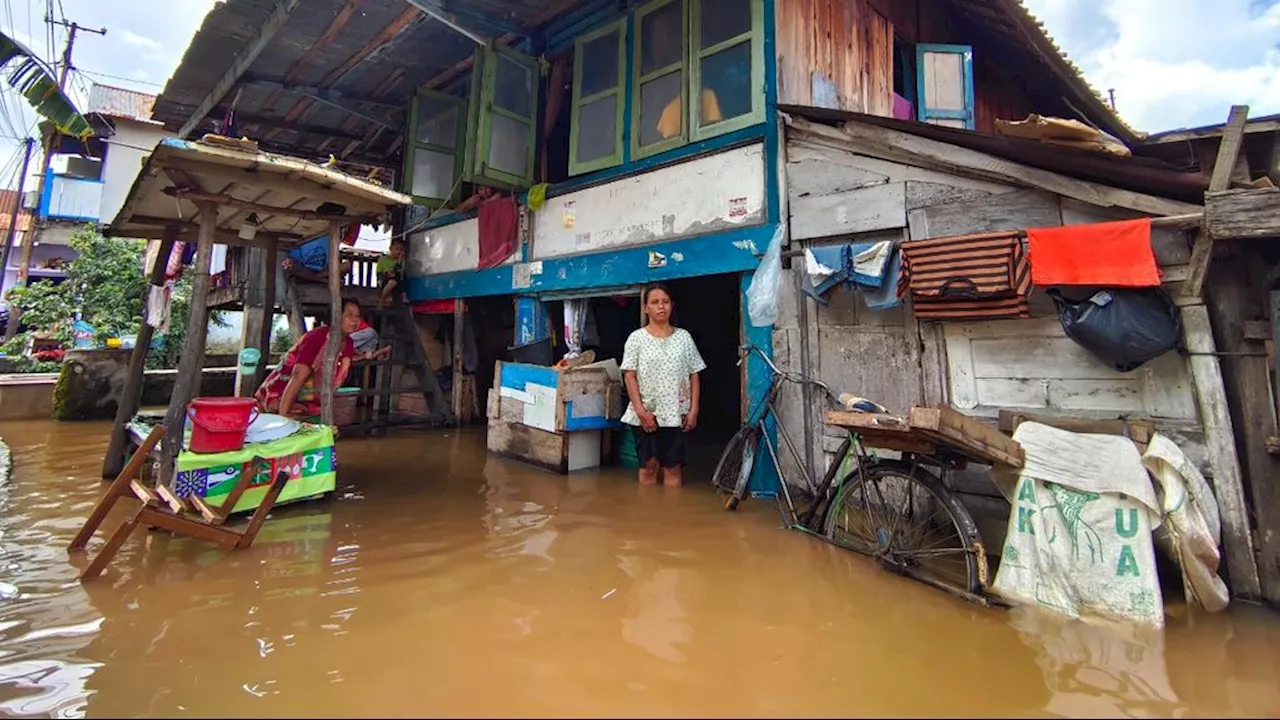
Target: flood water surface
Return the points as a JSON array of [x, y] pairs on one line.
[[441, 581]]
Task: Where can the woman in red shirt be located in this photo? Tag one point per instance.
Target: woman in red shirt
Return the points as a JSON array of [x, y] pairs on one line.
[[292, 388]]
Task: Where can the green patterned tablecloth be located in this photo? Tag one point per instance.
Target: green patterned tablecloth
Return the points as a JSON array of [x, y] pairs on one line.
[[308, 454]]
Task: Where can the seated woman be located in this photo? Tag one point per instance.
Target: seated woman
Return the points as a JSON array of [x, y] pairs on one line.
[[293, 387]]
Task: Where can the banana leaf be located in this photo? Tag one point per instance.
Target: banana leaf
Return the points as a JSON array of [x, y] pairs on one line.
[[35, 80]]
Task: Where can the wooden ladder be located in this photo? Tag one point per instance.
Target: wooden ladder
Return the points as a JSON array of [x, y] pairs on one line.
[[395, 326]]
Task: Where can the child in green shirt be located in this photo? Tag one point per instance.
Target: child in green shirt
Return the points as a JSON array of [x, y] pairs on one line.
[[391, 271]]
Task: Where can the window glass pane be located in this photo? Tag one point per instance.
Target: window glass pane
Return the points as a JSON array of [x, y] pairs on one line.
[[597, 129], [723, 19], [514, 87], [432, 173], [437, 122], [599, 65], [662, 38], [509, 145], [726, 84], [661, 112]]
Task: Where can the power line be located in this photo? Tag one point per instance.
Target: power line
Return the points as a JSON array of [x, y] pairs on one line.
[[95, 73]]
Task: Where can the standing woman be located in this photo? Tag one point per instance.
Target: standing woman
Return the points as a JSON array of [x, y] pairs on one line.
[[660, 364]]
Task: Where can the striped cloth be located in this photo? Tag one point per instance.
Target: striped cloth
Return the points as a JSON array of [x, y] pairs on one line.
[[968, 277]]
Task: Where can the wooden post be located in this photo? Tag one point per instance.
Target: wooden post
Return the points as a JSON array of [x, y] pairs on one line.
[[115, 458], [1219, 436], [459, 318], [1228, 151], [269, 302], [191, 364], [255, 312], [329, 371]]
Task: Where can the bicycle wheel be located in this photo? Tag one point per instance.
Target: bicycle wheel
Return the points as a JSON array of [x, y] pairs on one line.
[[733, 471], [911, 522]]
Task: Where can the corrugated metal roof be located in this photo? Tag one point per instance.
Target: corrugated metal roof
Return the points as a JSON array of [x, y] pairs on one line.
[[379, 50], [115, 102]]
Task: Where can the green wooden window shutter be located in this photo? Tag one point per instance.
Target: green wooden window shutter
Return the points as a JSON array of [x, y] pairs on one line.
[[599, 80], [660, 83], [726, 66], [507, 119], [433, 147]]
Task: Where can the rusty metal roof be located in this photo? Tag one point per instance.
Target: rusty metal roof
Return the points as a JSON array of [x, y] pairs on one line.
[[370, 54], [115, 102]]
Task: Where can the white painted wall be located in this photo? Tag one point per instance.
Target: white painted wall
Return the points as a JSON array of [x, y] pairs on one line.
[[127, 151], [708, 194], [446, 249]]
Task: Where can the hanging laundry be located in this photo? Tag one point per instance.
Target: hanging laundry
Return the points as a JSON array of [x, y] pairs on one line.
[[158, 303], [575, 312], [1112, 254], [851, 265], [218, 259], [886, 297], [969, 277], [498, 231]]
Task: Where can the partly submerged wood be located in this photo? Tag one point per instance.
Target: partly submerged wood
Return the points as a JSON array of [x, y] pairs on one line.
[[933, 430]]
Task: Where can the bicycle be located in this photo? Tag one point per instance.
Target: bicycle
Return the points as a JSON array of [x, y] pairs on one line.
[[896, 511]]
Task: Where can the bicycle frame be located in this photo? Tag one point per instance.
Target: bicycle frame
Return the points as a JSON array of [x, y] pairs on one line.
[[767, 407]]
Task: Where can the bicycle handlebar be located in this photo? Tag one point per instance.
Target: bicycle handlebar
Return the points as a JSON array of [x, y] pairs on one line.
[[746, 350]]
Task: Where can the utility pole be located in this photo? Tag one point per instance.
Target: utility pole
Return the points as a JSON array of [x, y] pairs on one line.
[[1111, 93], [13, 217], [50, 142]]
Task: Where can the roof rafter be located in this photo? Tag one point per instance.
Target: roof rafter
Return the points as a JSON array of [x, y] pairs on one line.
[[256, 45]]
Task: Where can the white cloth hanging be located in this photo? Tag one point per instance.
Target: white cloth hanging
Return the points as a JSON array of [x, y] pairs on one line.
[[158, 303]]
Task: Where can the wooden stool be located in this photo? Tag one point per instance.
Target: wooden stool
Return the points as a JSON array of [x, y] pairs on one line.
[[162, 509]]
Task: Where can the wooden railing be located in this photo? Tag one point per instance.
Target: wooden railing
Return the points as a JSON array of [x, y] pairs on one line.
[[228, 287]]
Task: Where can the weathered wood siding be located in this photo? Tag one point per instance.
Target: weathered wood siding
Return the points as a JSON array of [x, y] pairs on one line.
[[981, 368], [839, 54]]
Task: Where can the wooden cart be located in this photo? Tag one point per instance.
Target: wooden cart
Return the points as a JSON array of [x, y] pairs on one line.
[[936, 431]]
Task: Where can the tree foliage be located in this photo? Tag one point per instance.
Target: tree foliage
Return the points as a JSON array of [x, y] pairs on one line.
[[105, 287]]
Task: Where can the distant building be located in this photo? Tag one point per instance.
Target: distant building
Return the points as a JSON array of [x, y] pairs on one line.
[[87, 182]]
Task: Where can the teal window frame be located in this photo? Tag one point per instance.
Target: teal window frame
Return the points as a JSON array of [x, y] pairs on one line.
[[458, 151], [696, 54], [619, 90], [638, 80], [968, 114]]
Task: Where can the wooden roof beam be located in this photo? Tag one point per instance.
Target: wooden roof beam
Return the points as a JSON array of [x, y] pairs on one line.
[[227, 200], [374, 102], [240, 65]]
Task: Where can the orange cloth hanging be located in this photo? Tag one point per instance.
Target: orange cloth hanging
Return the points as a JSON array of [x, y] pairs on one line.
[[1113, 254]]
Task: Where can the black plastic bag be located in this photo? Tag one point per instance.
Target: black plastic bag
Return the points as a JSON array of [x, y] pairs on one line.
[[1124, 328]]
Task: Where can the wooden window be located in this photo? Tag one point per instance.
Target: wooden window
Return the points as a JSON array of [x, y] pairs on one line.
[[437, 131], [599, 79], [727, 66], [506, 119], [945, 85], [660, 83]]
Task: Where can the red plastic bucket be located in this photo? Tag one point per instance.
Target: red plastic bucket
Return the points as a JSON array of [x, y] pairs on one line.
[[219, 424]]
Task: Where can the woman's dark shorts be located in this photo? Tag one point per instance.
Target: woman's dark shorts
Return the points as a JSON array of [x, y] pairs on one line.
[[667, 444]]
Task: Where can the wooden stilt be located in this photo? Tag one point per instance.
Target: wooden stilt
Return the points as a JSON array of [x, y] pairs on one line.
[[459, 320], [269, 302], [329, 370], [191, 363], [115, 458]]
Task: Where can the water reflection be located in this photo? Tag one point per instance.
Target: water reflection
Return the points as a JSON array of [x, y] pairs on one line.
[[439, 580]]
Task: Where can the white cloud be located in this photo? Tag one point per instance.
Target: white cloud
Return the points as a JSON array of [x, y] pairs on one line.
[[1173, 63]]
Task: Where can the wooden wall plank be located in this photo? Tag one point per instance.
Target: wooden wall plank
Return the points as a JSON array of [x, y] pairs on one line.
[[880, 207], [1016, 210], [1243, 214]]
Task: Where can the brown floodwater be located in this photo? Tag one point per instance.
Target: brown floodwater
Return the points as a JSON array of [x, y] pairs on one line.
[[441, 581]]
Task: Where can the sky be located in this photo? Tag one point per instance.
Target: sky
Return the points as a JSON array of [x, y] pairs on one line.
[[1172, 63]]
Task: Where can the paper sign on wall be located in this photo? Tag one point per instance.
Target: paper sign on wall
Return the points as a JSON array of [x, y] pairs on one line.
[[540, 411]]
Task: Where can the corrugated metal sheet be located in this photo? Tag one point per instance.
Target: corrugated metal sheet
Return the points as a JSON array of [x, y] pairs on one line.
[[114, 102], [365, 49]]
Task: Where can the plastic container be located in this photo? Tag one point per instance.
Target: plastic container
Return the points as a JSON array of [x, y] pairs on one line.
[[627, 456], [218, 425], [249, 359]]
